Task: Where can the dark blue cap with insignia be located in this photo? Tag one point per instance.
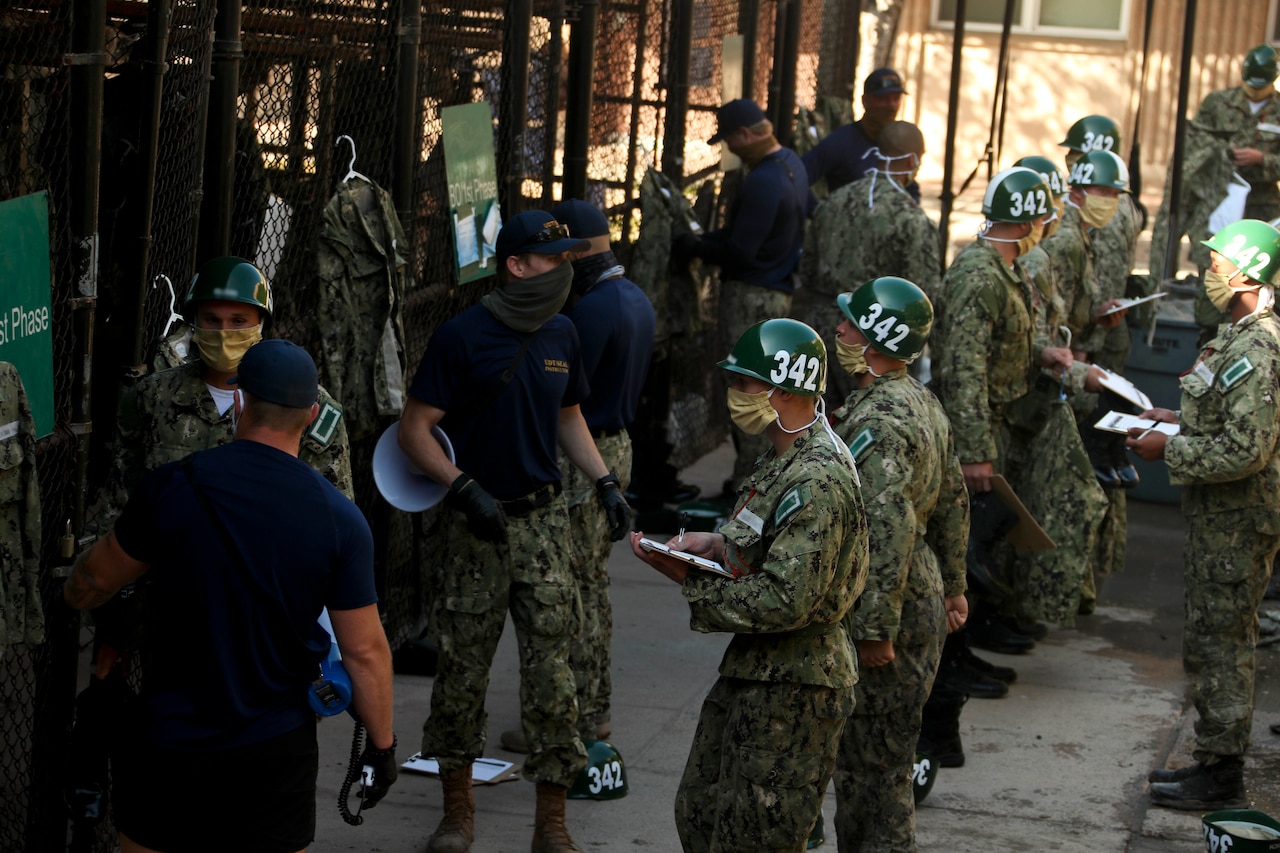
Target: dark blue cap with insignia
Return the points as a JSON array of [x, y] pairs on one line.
[[279, 372], [883, 81]]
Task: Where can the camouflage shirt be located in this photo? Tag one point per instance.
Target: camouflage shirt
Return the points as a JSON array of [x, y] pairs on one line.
[[1050, 316], [1227, 453], [982, 342], [21, 609], [916, 504], [798, 541], [1071, 252], [362, 285], [866, 229], [1225, 117], [170, 414]]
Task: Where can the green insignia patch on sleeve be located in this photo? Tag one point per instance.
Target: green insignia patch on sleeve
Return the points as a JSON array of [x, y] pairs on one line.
[[862, 442], [326, 423], [790, 503], [1236, 372]]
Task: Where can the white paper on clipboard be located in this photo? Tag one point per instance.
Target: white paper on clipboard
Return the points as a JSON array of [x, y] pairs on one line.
[[1126, 304], [1117, 384], [685, 557], [1121, 423]]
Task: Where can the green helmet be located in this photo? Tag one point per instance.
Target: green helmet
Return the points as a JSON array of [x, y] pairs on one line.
[[604, 777], [1253, 246], [1055, 180], [1093, 133], [892, 313], [232, 280], [1100, 169], [1241, 831], [1259, 66], [923, 774], [784, 353], [1017, 195]]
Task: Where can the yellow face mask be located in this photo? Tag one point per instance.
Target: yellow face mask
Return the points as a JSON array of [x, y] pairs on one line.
[[852, 358], [751, 413], [222, 349], [1256, 95], [1098, 210]]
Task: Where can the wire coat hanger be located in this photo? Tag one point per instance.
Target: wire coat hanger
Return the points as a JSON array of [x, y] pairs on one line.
[[351, 167]]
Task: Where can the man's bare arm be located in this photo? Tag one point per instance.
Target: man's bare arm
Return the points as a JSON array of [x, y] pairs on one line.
[[99, 573], [367, 657]]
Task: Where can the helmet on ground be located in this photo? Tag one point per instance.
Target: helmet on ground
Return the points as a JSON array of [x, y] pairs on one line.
[[1018, 194], [1253, 246], [923, 774], [784, 353], [1241, 831], [229, 279], [604, 777], [1054, 180], [1093, 133], [1100, 169], [1259, 66], [893, 314]]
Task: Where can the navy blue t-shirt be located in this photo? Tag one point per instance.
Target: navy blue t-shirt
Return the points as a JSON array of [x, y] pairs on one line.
[[615, 323], [764, 226], [228, 657], [508, 443], [842, 158]]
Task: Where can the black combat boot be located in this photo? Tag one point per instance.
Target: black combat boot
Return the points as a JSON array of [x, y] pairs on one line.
[[940, 726], [1203, 787]]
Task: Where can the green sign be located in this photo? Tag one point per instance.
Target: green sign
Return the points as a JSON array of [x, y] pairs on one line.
[[26, 321], [473, 188]]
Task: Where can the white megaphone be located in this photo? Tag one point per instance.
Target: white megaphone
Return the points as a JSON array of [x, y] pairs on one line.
[[402, 483]]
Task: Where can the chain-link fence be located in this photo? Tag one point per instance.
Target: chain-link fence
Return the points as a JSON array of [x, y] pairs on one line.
[[284, 87]]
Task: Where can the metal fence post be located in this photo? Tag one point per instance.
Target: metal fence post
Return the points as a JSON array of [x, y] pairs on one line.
[[577, 121], [220, 153], [408, 141], [678, 60], [514, 119]]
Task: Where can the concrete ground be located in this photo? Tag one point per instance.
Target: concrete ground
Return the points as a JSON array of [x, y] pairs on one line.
[[1060, 764]]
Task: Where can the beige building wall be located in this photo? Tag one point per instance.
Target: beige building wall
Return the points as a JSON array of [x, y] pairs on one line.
[[1052, 81]]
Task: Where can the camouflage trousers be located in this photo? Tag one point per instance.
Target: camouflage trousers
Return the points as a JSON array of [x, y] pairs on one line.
[[875, 808], [741, 307], [1110, 549], [472, 587], [759, 765], [1228, 564], [1051, 473], [590, 656]]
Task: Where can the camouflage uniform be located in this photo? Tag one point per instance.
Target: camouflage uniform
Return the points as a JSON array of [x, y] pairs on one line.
[[170, 414], [769, 729], [1223, 122], [982, 348], [918, 524], [471, 590], [863, 230], [362, 285], [1227, 459], [1049, 469], [21, 609]]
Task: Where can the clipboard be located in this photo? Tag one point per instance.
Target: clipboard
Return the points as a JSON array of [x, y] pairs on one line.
[[484, 771], [1126, 304], [1027, 534], [685, 557]]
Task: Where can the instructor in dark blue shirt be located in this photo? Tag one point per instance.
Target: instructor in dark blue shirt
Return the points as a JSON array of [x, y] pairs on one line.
[[758, 249]]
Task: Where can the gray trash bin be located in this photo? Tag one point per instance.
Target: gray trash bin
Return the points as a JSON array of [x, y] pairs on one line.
[[1155, 368]]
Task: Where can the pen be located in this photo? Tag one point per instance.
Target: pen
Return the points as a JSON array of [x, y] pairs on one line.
[[684, 522]]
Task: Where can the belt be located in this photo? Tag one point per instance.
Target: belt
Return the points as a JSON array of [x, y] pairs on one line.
[[598, 434], [534, 500]]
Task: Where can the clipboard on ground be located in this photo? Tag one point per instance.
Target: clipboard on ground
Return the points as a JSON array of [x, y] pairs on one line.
[[685, 557], [484, 771], [1027, 534]]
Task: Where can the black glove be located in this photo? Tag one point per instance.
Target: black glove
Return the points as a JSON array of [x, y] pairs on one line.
[[615, 506], [378, 774], [485, 517], [684, 247]]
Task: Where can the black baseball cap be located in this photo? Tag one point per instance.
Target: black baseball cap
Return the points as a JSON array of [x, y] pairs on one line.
[[743, 112], [883, 81], [536, 232], [583, 218], [279, 372]]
